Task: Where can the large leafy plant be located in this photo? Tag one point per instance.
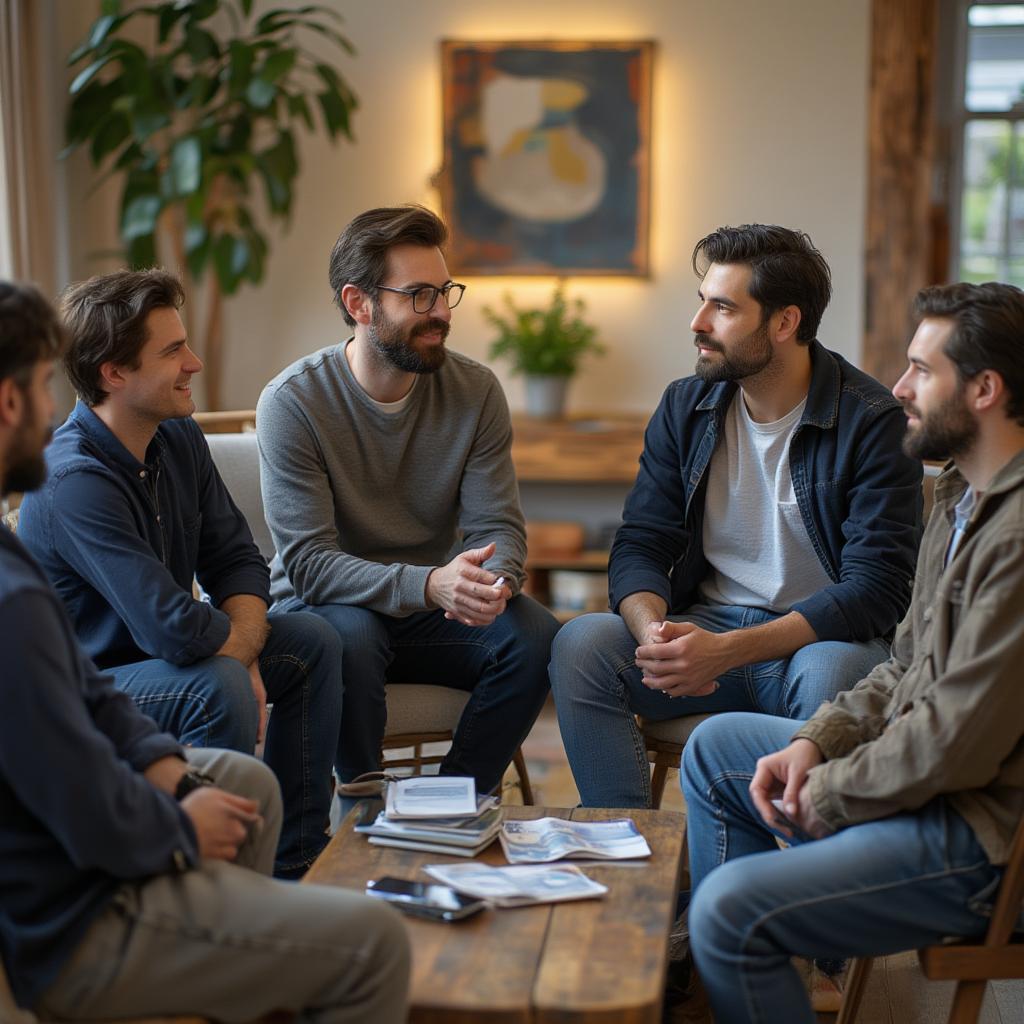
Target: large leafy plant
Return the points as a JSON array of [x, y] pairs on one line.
[[547, 341], [195, 104]]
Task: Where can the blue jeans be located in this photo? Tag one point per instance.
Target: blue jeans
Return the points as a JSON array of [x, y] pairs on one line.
[[870, 890], [504, 665], [211, 704], [598, 690]]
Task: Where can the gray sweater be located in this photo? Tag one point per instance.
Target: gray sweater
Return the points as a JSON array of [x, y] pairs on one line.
[[363, 504]]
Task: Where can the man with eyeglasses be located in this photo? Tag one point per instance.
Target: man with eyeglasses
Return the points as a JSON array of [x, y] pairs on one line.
[[390, 494]]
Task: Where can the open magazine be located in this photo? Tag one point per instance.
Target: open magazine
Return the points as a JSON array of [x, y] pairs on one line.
[[546, 839], [518, 886]]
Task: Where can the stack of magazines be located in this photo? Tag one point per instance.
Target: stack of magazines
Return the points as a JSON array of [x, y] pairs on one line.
[[436, 814]]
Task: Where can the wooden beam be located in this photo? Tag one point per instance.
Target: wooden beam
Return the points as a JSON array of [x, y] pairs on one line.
[[900, 146]]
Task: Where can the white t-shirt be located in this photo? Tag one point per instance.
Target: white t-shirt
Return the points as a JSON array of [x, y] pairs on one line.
[[754, 535]]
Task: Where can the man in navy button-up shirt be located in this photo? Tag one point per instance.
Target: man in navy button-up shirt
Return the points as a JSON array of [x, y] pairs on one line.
[[768, 546], [132, 512]]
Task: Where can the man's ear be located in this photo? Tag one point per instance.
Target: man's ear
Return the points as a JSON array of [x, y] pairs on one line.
[[989, 391], [358, 303], [12, 403], [112, 377], [787, 323]]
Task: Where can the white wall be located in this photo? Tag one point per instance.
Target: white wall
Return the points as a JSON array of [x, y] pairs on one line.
[[760, 114]]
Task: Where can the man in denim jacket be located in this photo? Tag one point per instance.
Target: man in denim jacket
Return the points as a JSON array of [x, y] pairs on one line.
[[767, 548], [903, 793]]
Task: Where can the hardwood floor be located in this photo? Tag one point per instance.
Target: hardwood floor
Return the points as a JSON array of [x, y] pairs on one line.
[[897, 993]]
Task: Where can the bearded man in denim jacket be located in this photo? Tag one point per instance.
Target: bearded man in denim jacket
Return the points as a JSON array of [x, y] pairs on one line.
[[767, 548]]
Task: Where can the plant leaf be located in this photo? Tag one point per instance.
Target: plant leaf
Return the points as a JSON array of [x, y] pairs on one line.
[[240, 66], [260, 93], [278, 64], [186, 165], [83, 78], [108, 136], [140, 217]]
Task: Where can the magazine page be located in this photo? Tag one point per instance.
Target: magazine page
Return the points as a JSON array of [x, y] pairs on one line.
[[432, 796], [518, 886], [547, 839]]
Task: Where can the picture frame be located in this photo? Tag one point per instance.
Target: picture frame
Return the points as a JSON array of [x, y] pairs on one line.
[[547, 157]]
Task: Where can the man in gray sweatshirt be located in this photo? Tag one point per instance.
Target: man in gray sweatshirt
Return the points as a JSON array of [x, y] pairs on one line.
[[390, 494]]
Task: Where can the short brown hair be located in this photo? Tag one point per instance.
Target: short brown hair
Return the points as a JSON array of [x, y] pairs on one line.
[[30, 331], [785, 269], [106, 319], [988, 332], [360, 254]]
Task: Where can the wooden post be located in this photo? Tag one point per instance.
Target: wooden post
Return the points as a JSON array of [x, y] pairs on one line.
[[900, 145]]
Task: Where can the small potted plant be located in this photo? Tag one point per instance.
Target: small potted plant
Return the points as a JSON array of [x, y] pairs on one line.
[[545, 345]]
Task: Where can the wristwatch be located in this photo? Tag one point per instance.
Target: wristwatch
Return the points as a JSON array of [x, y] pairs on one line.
[[192, 780]]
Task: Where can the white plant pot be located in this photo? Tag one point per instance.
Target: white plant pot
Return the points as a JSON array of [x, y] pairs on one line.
[[545, 395]]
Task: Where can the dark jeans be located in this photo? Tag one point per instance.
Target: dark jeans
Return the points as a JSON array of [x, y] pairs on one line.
[[503, 665], [211, 704]]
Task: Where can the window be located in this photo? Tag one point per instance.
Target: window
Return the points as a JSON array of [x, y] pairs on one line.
[[989, 138]]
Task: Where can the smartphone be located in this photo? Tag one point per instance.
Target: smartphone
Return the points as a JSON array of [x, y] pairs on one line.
[[424, 899], [781, 818]]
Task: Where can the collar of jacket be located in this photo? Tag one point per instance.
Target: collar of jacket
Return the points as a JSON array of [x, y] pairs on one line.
[[104, 438], [950, 485], [822, 409]]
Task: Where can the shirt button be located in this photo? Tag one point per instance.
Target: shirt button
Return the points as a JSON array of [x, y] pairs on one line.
[[142, 474], [927, 614]]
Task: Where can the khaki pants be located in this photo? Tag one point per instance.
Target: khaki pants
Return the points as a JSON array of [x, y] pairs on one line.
[[227, 942]]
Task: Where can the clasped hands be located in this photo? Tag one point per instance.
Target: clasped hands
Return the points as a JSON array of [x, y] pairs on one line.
[[681, 659], [466, 591]]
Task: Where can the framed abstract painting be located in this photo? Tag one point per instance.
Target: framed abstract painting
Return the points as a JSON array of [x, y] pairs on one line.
[[547, 157]]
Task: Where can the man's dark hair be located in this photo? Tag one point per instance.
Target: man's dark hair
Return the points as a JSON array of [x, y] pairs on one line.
[[785, 269], [106, 319], [360, 254], [30, 331], [989, 332]]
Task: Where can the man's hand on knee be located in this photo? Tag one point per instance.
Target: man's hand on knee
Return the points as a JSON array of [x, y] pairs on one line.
[[222, 821], [784, 774], [466, 591]]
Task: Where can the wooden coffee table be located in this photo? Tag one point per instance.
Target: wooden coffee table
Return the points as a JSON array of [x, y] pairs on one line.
[[588, 961]]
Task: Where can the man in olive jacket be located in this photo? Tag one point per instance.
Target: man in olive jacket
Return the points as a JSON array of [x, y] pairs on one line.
[[899, 797]]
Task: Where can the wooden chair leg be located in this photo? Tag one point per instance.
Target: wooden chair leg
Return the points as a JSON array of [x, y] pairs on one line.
[[856, 984], [658, 778], [524, 776], [967, 1002]]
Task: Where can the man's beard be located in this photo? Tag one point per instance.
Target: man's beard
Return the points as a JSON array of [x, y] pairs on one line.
[[397, 346], [944, 433], [26, 467], [749, 355]]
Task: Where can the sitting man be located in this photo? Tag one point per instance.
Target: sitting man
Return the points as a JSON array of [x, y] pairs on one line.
[[903, 793], [391, 498], [133, 510], [767, 547], [125, 881]]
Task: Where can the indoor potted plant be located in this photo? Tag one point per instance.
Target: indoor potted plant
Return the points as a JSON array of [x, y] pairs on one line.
[[196, 107], [545, 345]]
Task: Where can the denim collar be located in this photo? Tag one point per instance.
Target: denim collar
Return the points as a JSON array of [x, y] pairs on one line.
[[822, 409], [104, 438]]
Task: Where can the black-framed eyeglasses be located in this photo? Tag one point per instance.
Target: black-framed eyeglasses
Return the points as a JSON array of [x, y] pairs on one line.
[[424, 297]]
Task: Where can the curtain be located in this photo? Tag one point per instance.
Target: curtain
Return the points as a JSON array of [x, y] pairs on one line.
[[27, 152]]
